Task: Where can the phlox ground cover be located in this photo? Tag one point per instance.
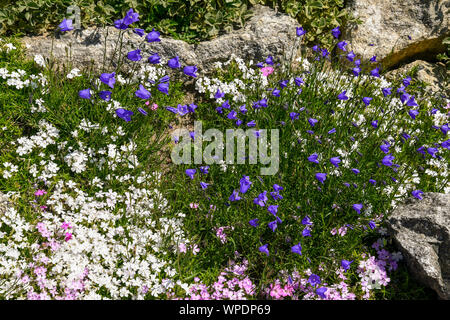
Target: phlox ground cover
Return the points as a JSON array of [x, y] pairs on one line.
[[97, 209]]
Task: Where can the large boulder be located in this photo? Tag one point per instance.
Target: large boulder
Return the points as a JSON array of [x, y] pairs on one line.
[[398, 31], [266, 33], [421, 229]]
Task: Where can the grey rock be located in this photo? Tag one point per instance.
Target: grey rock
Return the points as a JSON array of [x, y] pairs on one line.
[[421, 229], [266, 33], [388, 24], [434, 74]]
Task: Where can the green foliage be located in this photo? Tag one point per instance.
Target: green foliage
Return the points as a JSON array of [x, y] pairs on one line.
[[192, 21]]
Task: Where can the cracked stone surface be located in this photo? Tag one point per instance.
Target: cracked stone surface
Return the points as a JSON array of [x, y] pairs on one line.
[[421, 229]]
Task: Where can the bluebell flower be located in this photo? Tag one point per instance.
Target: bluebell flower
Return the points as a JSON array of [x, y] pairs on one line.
[[190, 71], [313, 158], [314, 279], [142, 92], [164, 87], [154, 59], [417, 194], [336, 32], [335, 161], [297, 249], [345, 264], [105, 95], [357, 207], [342, 95], [124, 114], [387, 160], [134, 55], [174, 63], [273, 209], [65, 25], [272, 225], [109, 79], [341, 45], [264, 249], [85, 94], [321, 177], [245, 184], [254, 222], [153, 36], [300, 31]]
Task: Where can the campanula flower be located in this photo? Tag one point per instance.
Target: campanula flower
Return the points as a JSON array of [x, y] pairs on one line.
[[124, 114], [413, 113], [272, 225], [307, 221], [372, 225], [341, 45], [254, 222], [65, 25], [321, 292], [387, 160], [109, 79], [190, 71], [142, 93], [357, 207], [385, 148], [139, 32], [105, 95], [350, 56], [342, 95], [373, 59], [386, 91], [306, 232], [85, 94], [345, 264], [367, 100], [134, 55], [314, 279], [298, 81], [264, 249], [269, 60], [335, 161], [417, 194], [375, 72], [153, 36], [300, 31], [297, 249], [432, 152], [321, 177], [154, 59], [273, 209], [356, 71], [190, 173], [374, 123], [411, 102], [164, 87], [313, 158], [312, 121], [251, 123], [245, 184], [234, 196], [336, 32], [261, 199], [355, 171], [174, 63], [142, 111], [332, 131]]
